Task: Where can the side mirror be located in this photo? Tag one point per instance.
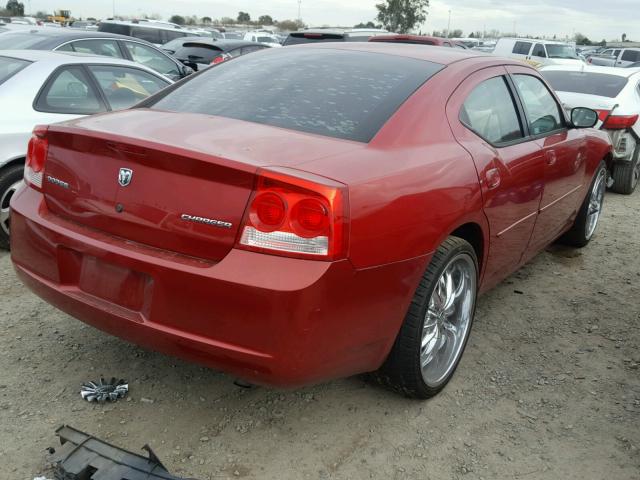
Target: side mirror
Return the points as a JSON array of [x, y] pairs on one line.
[[188, 68], [582, 117]]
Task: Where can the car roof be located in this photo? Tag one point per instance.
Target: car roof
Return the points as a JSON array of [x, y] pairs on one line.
[[64, 58], [618, 72], [146, 24], [440, 55], [536, 40], [65, 34]]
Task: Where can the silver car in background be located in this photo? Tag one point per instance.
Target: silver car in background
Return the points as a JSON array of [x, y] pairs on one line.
[[41, 87]]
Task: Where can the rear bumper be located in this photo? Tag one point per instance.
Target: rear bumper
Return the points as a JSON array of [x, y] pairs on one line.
[[268, 319]]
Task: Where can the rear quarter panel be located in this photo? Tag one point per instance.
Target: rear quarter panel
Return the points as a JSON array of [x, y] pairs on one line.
[[413, 184]]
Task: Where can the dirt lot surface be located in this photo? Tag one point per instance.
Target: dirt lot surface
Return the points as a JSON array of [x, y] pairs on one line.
[[549, 387]]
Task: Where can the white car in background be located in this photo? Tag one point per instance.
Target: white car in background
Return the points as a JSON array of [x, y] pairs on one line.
[[538, 52], [615, 94], [42, 87], [265, 38]]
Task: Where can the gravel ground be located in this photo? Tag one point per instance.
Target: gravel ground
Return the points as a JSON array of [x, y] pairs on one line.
[[549, 387]]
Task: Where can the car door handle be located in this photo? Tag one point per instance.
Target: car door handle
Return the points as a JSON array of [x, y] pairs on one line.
[[551, 157], [492, 178]]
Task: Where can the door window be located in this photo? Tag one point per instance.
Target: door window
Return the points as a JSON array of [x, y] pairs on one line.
[[105, 48], [124, 86], [522, 48], [538, 51], [543, 112], [490, 112], [69, 91], [149, 57]]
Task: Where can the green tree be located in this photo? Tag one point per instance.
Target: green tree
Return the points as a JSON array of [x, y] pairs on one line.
[[365, 25], [15, 8], [457, 33], [402, 15], [206, 20], [290, 25], [179, 19], [582, 40], [227, 21], [244, 17], [265, 20]]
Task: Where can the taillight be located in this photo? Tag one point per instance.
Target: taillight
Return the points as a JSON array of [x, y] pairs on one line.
[[296, 214], [36, 156], [620, 122], [220, 58]]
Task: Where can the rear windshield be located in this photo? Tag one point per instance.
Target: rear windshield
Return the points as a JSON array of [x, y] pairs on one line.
[[297, 38], [10, 66], [197, 52], [588, 83], [20, 41], [115, 28], [336, 93], [561, 51]]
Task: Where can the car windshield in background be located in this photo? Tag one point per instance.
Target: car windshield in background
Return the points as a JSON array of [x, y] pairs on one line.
[[561, 51], [19, 41], [343, 94], [10, 66], [267, 40], [588, 83]]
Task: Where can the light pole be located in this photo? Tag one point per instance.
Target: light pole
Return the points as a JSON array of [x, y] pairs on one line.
[[449, 25], [299, 6], [114, 9]]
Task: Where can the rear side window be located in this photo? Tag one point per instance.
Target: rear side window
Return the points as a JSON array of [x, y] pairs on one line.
[[588, 83], [124, 86], [522, 48], [336, 93], [490, 112], [630, 56], [69, 91], [10, 66], [103, 47], [297, 38], [170, 35]]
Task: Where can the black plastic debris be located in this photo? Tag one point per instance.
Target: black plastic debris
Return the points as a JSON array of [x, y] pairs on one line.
[[103, 391], [84, 457]]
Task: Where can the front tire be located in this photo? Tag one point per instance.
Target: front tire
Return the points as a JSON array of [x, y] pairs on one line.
[[434, 334], [586, 221], [10, 180]]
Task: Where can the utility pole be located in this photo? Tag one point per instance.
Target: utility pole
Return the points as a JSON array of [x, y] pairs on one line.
[[299, 6], [114, 9], [449, 25]]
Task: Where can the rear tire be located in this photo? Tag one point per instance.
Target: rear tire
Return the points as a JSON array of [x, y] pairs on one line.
[[582, 230], [427, 349], [10, 179], [626, 174]]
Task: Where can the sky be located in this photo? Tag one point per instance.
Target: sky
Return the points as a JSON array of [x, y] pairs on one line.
[[596, 19]]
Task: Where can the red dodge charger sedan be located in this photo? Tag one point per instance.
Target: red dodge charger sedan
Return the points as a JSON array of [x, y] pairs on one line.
[[311, 212]]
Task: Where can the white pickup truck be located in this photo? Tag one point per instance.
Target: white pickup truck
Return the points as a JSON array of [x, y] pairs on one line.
[[616, 57]]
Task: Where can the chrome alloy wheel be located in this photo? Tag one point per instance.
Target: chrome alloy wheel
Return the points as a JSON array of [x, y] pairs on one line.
[[448, 319], [4, 206], [596, 197]]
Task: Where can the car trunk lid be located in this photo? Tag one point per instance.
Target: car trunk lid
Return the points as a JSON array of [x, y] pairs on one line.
[[182, 184]]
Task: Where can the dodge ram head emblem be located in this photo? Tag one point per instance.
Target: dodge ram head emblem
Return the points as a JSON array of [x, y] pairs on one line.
[[124, 177]]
